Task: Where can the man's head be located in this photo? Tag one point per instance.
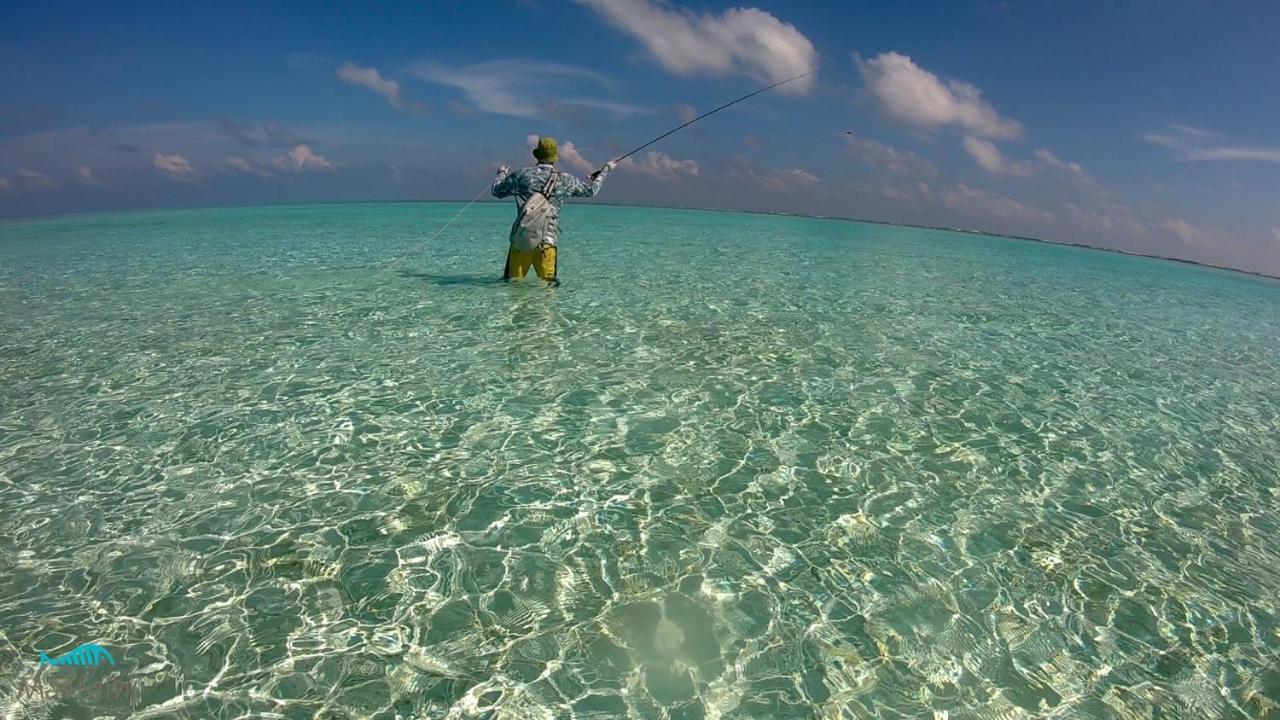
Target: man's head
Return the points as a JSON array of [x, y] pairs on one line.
[[546, 151]]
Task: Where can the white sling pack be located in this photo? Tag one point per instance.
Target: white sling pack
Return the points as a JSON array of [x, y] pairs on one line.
[[533, 223]]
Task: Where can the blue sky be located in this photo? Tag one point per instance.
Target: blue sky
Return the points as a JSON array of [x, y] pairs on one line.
[[1151, 127]]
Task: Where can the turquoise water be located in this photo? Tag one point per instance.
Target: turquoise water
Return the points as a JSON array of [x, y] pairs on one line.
[[736, 466]]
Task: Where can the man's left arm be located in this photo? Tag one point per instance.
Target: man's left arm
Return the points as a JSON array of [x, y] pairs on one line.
[[590, 189]]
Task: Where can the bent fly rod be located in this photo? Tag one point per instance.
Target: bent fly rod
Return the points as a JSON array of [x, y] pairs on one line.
[[672, 131], [713, 112]]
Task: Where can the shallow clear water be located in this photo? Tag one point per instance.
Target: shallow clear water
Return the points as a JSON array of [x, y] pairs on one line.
[[736, 466]]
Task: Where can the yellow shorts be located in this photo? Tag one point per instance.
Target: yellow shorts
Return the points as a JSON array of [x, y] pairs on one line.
[[542, 259]]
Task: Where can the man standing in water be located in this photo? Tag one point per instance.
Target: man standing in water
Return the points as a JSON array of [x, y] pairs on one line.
[[540, 192]]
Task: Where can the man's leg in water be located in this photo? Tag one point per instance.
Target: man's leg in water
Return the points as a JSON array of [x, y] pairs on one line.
[[546, 264], [518, 262]]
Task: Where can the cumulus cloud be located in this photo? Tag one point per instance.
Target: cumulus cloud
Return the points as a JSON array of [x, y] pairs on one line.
[[1168, 141], [1114, 222], [1193, 145], [512, 87], [256, 135], [1260, 154], [783, 179], [86, 176], [174, 166], [655, 164], [570, 157], [662, 166], [902, 162], [964, 198], [613, 108], [1054, 161], [301, 158], [913, 95], [282, 136], [749, 41], [686, 113], [920, 192], [370, 78], [1192, 131], [801, 175], [461, 109], [1072, 170], [1187, 233], [37, 179], [989, 158], [243, 133], [247, 166]]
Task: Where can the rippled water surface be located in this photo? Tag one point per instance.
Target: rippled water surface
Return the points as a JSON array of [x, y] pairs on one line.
[[735, 467]]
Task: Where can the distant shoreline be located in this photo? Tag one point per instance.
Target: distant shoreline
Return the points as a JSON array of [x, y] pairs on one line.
[[967, 231]]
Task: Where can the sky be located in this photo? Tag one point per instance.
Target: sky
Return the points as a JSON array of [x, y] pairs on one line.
[[1151, 127]]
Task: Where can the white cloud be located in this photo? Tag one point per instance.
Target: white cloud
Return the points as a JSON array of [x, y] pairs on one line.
[[968, 199], [509, 87], [876, 153], [783, 179], [1056, 162], [1187, 233], [174, 166], [686, 113], [614, 108], [301, 158], [1073, 171], [1192, 145], [1261, 154], [36, 178], [460, 108], [1163, 140], [739, 40], [988, 157], [86, 176], [254, 134], [917, 194], [909, 93], [5, 183], [801, 175], [370, 78], [1275, 233], [570, 156], [1114, 222], [662, 166], [248, 166]]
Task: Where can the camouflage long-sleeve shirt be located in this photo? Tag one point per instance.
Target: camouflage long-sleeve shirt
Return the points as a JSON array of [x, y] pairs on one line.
[[523, 183]]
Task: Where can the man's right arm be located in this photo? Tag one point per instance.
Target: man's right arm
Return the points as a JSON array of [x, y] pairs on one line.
[[504, 185]]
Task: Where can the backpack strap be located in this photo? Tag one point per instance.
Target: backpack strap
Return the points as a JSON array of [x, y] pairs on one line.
[[550, 184]]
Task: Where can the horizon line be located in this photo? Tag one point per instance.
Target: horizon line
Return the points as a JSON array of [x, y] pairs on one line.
[[588, 203]]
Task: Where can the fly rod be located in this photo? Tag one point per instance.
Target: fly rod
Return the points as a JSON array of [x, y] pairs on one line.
[[713, 112]]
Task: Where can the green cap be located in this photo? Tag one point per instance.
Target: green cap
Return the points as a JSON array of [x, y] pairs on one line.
[[546, 151]]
